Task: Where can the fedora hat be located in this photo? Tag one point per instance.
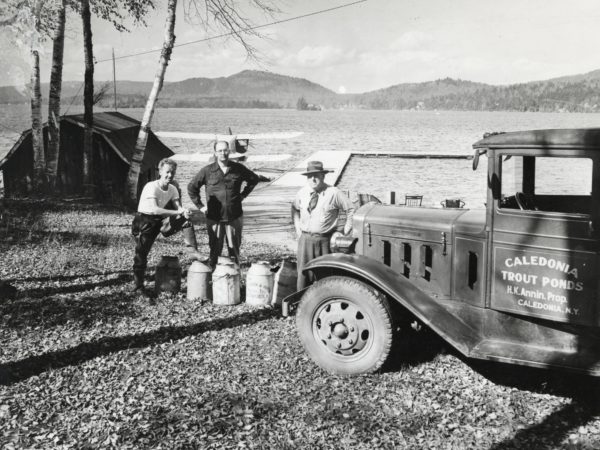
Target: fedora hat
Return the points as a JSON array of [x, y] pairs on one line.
[[315, 167]]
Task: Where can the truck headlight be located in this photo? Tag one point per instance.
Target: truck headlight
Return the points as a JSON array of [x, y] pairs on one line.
[[342, 244]]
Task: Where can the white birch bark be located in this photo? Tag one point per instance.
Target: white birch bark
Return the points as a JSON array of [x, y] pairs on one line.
[[142, 139]]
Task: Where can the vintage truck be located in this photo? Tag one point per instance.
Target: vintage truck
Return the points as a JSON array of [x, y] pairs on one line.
[[516, 282]]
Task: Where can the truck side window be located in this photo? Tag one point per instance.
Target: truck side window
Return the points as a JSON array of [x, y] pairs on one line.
[[546, 184]]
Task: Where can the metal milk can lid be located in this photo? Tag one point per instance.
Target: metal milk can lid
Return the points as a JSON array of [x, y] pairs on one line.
[[260, 268], [198, 266], [226, 268]]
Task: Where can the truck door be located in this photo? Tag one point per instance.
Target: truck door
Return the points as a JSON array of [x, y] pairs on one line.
[[544, 250]]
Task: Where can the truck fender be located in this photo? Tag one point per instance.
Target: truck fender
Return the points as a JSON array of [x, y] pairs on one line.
[[453, 330]]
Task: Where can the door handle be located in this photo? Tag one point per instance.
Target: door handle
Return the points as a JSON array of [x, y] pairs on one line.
[[592, 231], [444, 243]]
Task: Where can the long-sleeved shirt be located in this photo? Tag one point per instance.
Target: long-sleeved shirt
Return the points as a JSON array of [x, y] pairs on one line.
[[223, 190], [323, 218]]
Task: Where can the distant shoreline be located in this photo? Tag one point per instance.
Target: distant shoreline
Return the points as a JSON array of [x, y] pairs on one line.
[[266, 90], [110, 108]]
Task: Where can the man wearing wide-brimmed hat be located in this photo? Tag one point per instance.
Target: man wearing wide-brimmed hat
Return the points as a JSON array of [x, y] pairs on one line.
[[319, 205]]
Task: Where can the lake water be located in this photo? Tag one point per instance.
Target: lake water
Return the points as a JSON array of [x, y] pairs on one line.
[[446, 132]]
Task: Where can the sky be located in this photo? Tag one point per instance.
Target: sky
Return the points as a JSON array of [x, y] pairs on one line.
[[363, 47]]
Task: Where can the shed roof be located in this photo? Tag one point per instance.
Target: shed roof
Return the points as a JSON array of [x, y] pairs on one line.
[[567, 139], [121, 131], [106, 121], [118, 130]]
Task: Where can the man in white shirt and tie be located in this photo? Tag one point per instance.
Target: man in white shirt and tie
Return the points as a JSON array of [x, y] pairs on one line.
[[318, 205]]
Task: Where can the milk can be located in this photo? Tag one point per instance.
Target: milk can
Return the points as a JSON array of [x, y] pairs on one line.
[[199, 282], [168, 275], [259, 284], [284, 282], [227, 259], [226, 284]]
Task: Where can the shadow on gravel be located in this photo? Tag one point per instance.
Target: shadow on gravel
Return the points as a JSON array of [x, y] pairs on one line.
[[544, 381], [91, 239], [555, 428], [65, 277], [584, 392], [49, 312], [413, 348], [34, 208], [23, 222], [14, 372], [122, 278]]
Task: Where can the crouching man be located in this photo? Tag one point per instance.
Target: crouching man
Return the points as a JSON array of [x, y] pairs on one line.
[[160, 211]]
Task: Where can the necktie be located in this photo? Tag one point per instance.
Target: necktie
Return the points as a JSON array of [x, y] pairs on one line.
[[314, 198]]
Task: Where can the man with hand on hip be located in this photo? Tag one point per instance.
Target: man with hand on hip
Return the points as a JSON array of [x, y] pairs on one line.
[[318, 205], [224, 216]]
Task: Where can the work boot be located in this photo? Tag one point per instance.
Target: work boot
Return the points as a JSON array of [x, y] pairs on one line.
[[138, 281], [191, 244]]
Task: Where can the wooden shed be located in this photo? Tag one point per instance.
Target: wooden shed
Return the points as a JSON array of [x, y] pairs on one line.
[[114, 139]]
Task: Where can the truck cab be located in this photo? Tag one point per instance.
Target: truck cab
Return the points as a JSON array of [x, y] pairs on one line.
[[515, 282]]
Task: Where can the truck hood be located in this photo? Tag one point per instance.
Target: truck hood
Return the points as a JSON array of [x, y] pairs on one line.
[[397, 220]]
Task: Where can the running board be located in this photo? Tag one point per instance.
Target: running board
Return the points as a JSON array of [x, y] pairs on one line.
[[535, 356]]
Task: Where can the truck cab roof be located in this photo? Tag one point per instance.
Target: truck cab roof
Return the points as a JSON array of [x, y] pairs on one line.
[[556, 139]]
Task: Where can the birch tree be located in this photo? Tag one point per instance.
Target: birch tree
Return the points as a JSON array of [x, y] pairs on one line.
[[88, 98], [53, 150], [37, 136], [211, 14], [112, 11], [28, 21], [142, 138]]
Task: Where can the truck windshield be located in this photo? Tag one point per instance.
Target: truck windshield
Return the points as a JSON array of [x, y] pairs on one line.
[[547, 184]]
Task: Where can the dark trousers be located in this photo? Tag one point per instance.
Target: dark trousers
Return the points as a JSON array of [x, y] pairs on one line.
[[218, 232], [145, 229], [309, 247]]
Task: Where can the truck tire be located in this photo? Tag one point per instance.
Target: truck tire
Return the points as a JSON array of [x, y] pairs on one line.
[[345, 326]]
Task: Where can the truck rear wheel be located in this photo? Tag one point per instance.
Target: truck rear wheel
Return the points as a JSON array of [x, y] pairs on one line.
[[345, 326]]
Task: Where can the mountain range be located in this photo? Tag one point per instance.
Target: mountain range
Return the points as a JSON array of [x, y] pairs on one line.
[[260, 89]]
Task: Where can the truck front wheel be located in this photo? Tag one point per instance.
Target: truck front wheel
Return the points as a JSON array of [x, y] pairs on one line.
[[345, 325]]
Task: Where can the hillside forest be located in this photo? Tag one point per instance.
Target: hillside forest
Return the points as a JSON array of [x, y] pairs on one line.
[[259, 89]]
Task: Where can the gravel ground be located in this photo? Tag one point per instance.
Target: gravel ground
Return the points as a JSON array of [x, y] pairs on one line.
[[86, 364]]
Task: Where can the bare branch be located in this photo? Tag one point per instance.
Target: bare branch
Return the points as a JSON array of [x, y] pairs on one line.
[[118, 11], [229, 17], [100, 93]]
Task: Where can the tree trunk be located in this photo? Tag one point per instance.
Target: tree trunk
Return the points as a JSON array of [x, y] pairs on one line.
[[54, 98], [142, 139], [88, 100], [37, 135]]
